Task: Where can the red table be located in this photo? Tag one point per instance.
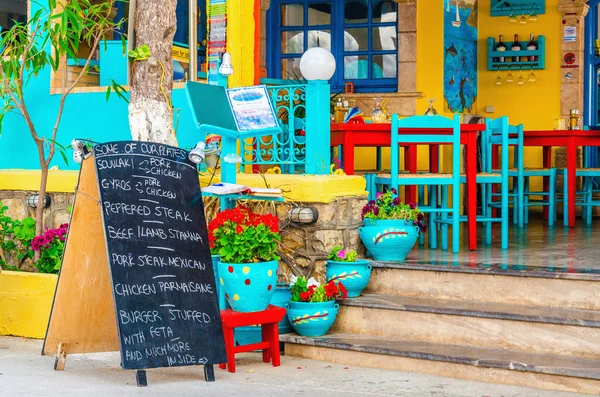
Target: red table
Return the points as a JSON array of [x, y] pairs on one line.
[[571, 140], [379, 135]]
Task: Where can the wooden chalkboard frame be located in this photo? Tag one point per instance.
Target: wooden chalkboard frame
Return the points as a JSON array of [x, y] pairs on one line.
[[83, 316]]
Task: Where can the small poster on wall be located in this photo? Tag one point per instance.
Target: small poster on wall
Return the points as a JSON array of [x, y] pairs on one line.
[[252, 108], [570, 34]]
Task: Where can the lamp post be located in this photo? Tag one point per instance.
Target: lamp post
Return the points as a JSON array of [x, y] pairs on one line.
[[317, 65]]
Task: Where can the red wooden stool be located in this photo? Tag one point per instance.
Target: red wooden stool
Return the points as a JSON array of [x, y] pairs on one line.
[[268, 321]]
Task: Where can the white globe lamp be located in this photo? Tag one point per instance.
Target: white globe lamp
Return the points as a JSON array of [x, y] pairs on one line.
[[317, 64]]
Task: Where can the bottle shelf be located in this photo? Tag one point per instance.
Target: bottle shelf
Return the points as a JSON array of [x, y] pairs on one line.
[[540, 53], [504, 8]]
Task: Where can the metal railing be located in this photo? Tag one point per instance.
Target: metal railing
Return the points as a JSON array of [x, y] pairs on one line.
[[286, 150]]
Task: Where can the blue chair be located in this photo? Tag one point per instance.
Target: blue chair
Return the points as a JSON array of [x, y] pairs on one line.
[[496, 133], [584, 197], [433, 181], [520, 196]]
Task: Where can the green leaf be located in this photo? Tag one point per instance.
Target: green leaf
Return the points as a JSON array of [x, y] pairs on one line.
[[107, 93]]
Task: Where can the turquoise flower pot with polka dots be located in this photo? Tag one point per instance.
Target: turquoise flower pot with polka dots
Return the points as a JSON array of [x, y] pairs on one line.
[[248, 287], [388, 240]]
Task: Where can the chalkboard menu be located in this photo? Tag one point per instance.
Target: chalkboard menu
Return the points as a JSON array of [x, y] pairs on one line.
[[162, 276]]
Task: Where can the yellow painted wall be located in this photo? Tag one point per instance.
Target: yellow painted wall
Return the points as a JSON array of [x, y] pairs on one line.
[[430, 54], [537, 104], [240, 41], [299, 188], [25, 303]]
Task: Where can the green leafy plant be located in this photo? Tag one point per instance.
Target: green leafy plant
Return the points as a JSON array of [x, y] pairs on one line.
[[389, 206], [241, 236], [15, 239], [339, 254], [51, 246], [304, 290], [52, 36]]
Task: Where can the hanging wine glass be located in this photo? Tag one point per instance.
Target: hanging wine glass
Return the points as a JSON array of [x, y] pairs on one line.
[[509, 77], [521, 79], [523, 19], [532, 77], [512, 17], [431, 110], [499, 78], [533, 16]]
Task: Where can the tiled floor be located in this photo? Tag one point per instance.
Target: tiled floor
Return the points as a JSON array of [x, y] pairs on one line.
[[535, 247]]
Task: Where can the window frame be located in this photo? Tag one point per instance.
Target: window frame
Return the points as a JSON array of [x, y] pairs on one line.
[[337, 28]]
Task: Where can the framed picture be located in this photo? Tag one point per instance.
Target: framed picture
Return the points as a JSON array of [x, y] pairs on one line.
[[252, 109]]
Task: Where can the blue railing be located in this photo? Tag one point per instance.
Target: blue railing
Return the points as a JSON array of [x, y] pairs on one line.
[[288, 149]]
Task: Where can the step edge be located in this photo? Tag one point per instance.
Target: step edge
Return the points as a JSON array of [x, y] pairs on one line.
[[454, 359], [468, 313], [594, 277]]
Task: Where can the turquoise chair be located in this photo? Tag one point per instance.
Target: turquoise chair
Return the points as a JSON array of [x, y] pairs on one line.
[[583, 197], [520, 195], [432, 181], [496, 133]]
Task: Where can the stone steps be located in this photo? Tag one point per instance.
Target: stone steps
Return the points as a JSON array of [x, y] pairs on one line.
[[543, 371], [506, 284], [481, 324], [530, 326]]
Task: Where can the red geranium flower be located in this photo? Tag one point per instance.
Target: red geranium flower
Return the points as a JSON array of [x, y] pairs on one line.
[[343, 290], [305, 296], [331, 289]]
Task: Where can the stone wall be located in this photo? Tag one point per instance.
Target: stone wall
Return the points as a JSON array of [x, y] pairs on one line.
[[54, 216], [305, 247]]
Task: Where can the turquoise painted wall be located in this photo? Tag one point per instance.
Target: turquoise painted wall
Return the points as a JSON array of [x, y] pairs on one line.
[[86, 115]]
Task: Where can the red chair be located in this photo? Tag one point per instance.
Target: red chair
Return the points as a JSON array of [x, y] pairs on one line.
[[268, 320]]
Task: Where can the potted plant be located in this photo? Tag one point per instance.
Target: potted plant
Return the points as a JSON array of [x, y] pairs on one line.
[[247, 244], [342, 265], [390, 227], [312, 309]]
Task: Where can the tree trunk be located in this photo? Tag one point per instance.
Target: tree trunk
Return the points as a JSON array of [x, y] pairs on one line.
[[150, 110]]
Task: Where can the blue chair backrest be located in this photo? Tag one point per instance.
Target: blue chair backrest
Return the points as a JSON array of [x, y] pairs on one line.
[[441, 130], [496, 132]]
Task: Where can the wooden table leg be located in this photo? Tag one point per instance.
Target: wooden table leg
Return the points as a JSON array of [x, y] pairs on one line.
[[471, 170], [266, 337], [572, 172], [411, 158], [434, 158], [348, 155], [275, 353], [547, 163]]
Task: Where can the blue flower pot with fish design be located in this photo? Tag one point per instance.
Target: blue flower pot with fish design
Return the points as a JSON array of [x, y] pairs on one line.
[[312, 319], [389, 239], [353, 275]]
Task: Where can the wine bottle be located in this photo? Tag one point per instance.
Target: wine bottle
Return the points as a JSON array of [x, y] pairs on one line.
[[516, 46], [500, 47], [532, 46]]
